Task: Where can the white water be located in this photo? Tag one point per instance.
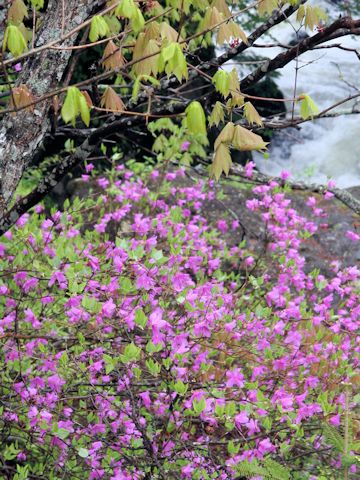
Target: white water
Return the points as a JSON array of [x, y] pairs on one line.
[[326, 148]]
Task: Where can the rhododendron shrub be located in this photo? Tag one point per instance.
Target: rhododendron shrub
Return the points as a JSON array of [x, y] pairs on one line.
[[131, 349]]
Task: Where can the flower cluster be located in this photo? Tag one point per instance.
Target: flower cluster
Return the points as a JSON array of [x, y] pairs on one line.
[[133, 345]]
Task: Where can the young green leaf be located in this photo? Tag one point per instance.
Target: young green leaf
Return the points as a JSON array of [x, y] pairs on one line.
[[226, 135], [17, 12], [70, 108], [137, 84], [312, 15], [221, 162], [62, 433], [221, 80], [195, 118], [232, 448], [113, 24], [131, 353], [137, 21], [246, 140], [180, 387], [110, 363], [172, 60], [211, 19], [83, 452], [140, 318], [199, 405], [308, 107], [75, 103], [14, 41], [128, 9], [153, 367], [222, 7], [230, 30], [37, 4], [236, 98], [267, 6], [84, 109], [217, 115], [98, 28], [251, 114]]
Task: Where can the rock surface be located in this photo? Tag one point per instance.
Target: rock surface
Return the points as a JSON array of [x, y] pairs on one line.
[[328, 244]]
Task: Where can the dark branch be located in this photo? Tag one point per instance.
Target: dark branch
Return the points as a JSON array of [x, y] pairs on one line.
[[342, 26]]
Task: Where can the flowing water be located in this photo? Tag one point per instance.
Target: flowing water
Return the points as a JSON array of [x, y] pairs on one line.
[[325, 148]]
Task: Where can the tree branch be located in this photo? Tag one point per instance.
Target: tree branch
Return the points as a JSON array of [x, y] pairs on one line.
[[341, 27], [277, 17]]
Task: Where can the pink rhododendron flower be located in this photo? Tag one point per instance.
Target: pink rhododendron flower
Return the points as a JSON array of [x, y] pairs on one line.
[[55, 382], [59, 278], [235, 378], [184, 147], [108, 308], [241, 419], [249, 168], [180, 281], [353, 236]]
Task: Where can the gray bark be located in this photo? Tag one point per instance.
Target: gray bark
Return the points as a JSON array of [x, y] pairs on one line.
[[3, 9], [21, 135]]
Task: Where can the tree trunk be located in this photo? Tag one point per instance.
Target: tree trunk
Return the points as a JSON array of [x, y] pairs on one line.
[[21, 135]]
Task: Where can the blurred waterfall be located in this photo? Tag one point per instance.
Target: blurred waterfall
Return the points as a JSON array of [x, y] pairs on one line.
[[326, 148]]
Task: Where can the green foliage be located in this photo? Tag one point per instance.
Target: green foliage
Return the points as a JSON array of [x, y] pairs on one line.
[[251, 114], [217, 115], [308, 107], [164, 37], [14, 40], [176, 143], [173, 62], [83, 452], [310, 15], [131, 353], [137, 84], [22, 472], [237, 137], [195, 118], [10, 452], [221, 80], [128, 9], [75, 104], [140, 318], [98, 28], [268, 469], [199, 405], [334, 437], [37, 4], [341, 444]]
